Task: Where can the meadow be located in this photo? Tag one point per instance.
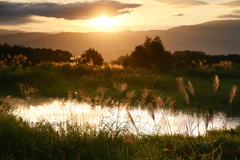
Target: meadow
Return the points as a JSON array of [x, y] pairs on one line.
[[206, 94], [63, 80]]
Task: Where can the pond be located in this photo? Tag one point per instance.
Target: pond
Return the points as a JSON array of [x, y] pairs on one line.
[[136, 119]]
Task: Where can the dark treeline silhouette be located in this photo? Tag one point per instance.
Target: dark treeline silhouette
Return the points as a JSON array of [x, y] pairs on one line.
[[150, 54], [234, 58], [33, 56], [188, 59], [153, 54]]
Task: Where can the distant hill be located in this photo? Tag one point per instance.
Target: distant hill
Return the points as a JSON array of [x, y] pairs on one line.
[[214, 37], [4, 31]]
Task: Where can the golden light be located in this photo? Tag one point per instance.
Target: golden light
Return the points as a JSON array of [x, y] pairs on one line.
[[104, 21]]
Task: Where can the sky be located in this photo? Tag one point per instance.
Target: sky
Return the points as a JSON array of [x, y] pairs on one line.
[[111, 15]]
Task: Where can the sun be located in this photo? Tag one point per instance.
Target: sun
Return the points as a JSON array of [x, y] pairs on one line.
[[104, 21]]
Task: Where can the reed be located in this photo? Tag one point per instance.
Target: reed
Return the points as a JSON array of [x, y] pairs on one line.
[[190, 88], [130, 95], [57, 80], [151, 111], [102, 91], [232, 93], [27, 91], [41, 141], [216, 83], [21, 140], [159, 102], [132, 121], [121, 87], [170, 102], [182, 89], [181, 86], [207, 119], [145, 92]]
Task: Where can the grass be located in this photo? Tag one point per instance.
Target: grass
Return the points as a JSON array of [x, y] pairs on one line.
[[23, 140], [56, 80]]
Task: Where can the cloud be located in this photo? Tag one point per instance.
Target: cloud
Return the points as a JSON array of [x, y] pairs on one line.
[[14, 12], [233, 15], [183, 3], [235, 3], [178, 15], [17, 20], [226, 16], [236, 11]]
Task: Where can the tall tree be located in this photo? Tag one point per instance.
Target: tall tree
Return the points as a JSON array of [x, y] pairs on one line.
[[92, 56], [151, 54]]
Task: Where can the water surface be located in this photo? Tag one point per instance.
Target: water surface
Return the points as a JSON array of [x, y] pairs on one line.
[[71, 111]]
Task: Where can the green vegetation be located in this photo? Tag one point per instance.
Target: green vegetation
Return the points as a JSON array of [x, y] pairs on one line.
[[23, 140], [152, 77], [60, 80]]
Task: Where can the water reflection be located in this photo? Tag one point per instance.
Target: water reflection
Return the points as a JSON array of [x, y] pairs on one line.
[[72, 111]]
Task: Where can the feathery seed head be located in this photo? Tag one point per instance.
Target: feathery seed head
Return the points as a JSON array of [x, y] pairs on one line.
[[232, 93], [102, 90], [130, 94], [181, 86], [170, 102], [144, 95], [182, 89], [216, 83], [190, 88], [159, 102], [120, 86]]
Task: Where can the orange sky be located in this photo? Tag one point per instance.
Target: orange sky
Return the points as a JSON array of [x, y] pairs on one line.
[[111, 16]]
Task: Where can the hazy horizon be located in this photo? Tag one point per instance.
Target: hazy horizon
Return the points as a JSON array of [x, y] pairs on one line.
[[214, 37]]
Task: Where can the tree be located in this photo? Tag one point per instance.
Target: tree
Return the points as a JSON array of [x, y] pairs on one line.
[[187, 59], [33, 55], [151, 54], [92, 56]]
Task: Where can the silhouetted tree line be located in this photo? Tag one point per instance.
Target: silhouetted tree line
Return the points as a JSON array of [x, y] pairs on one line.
[[153, 54], [150, 54], [234, 58], [31, 55]]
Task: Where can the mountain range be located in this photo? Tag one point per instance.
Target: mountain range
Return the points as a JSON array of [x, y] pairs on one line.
[[214, 37]]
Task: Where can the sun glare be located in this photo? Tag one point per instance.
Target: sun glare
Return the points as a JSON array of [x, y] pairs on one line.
[[104, 21]]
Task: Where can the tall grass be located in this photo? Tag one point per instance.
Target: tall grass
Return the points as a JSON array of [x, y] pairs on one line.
[[23, 140], [216, 83], [58, 80]]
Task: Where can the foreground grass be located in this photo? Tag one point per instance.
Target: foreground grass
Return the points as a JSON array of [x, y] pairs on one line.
[[22, 140], [54, 80]]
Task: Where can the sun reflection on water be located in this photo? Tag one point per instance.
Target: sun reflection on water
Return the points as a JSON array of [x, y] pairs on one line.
[[62, 111]]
